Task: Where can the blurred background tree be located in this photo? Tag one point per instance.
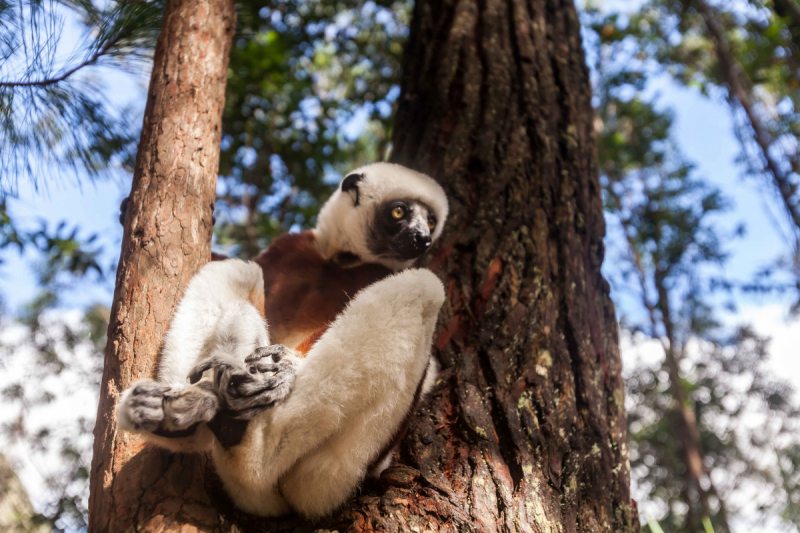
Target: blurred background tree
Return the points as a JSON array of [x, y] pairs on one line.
[[304, 77], [712, 434], [311, 91], [745, 52]]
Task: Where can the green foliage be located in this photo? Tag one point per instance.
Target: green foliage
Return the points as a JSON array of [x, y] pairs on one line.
[[301, 73], [49, 357], [53, 114], [744, 416], [747, 52]]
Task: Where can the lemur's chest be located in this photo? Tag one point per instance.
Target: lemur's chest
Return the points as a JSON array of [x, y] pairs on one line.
[[303, 292]]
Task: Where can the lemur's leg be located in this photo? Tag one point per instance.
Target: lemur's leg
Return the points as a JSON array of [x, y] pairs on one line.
[[350, 395], [326, 478], [220, 314], [217, 316]]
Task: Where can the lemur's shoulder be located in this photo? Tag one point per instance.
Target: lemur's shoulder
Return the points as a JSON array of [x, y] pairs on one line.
[[296, 256]]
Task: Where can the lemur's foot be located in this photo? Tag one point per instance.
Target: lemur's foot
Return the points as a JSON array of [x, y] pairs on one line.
[[156, 407], [142, 407], [189, 406], [248, 390]]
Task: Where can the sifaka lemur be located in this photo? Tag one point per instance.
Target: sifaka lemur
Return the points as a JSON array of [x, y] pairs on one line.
[[296, 414]]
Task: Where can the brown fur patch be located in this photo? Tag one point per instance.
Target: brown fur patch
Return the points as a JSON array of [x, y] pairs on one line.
[[304, 292]]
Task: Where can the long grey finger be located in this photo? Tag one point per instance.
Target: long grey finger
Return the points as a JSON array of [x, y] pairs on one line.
[[245, 390], [263, 366], [259, 353], [150, 388], [151, 402]]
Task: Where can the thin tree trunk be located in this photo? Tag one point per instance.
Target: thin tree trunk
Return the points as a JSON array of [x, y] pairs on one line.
[[688, 432], [691, 474], [732, 75], [166, 240]]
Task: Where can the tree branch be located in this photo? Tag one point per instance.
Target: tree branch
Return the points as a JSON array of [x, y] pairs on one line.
[[52, 81], [731, 72]]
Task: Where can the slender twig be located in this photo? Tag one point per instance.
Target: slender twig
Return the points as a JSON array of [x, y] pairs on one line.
[[732, 73], [52, 81]]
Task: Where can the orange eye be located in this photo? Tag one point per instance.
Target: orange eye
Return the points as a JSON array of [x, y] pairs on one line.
[[431, 224], [398, 212]]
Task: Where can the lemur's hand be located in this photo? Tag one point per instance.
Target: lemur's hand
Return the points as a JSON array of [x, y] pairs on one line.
[[123, 206], [246, 389], [157, 408]]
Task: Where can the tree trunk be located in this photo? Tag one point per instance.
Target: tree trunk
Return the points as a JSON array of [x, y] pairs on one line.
[[526, 430], [166, 240]]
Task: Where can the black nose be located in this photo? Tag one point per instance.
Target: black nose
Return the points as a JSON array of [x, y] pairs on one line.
[[422, 241]]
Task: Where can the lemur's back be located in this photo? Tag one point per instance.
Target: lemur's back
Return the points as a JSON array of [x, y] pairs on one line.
[[304, 292]]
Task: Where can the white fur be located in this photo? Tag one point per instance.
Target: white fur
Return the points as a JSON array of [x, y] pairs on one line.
[[213, 318], [352, 391], [214, 314], [354, 388], [342, 226], [351, 394]]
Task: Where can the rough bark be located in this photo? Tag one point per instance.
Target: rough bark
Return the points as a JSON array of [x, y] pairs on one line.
[[166, 240], [527, 431]]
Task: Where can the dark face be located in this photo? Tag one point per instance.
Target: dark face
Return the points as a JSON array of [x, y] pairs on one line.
[[402, 230]]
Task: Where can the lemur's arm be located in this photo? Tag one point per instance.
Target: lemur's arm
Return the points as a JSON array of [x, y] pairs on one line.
[[216, 326]]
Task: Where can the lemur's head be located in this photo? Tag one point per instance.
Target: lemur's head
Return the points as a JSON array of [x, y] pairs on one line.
[[382, 213]]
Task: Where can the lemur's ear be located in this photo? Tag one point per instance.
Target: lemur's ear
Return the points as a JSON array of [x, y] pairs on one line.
[[350, 183]]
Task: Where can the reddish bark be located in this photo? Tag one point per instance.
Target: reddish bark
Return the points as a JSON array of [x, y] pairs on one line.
[[166, 240], [528, 430]]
